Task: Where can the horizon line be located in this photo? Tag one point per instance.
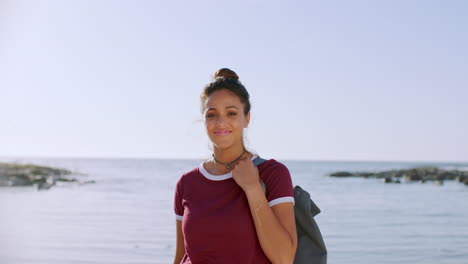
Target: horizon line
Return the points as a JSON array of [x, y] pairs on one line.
[[203, 158]]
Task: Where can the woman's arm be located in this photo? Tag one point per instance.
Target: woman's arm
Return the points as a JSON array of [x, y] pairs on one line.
[[275, 226], [180, 247]]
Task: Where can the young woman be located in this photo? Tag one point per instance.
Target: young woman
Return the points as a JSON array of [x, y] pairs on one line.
[[222, 213]]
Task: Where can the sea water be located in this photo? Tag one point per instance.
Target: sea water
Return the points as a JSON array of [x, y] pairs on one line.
[[127, 215]]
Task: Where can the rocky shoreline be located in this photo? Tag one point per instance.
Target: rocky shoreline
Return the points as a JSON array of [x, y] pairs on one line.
[[419, 174], [42, 177]]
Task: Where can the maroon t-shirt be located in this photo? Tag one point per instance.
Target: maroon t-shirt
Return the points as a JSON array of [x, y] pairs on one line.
[[215, 214]]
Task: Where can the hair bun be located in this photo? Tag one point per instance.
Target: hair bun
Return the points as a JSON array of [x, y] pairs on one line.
[[226, 73]]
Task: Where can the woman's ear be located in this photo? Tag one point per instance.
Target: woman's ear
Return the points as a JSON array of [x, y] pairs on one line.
[[247, 120]]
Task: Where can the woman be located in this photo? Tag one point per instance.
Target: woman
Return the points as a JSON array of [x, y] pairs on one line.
[[222, 213]]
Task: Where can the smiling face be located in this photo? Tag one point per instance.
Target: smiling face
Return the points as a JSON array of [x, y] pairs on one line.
[[225, 119]]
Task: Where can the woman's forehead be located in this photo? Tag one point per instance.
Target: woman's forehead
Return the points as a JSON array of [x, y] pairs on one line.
[[223, 99]]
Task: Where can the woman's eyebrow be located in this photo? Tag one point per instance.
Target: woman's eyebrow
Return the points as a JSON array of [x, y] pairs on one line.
[[232, 106]]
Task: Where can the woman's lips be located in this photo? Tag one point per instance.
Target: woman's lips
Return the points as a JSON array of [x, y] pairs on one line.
[[222, 133]]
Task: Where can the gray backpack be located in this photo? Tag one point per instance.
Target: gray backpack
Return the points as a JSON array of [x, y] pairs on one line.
[[310, 245]]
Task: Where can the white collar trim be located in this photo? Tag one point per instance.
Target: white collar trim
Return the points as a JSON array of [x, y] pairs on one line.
[[223, 177]]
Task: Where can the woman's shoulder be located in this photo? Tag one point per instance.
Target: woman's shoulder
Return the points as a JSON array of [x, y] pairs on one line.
[[277, 179], [190, 174], [271, 165]]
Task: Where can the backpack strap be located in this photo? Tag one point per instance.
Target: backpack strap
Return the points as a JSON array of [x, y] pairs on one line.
[[257, 161]]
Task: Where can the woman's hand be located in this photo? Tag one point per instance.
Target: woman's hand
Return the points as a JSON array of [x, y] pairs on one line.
[[245, 173]]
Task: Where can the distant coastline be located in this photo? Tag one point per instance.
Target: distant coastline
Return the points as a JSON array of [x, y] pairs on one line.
[[42, 177]]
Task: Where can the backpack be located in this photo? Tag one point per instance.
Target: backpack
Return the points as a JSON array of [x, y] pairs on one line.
[[310, 245]]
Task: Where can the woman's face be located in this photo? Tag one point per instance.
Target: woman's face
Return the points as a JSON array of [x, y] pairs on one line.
[[224, 119]]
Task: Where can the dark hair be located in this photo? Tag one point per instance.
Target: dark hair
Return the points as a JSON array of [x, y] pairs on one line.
[[227, 79]]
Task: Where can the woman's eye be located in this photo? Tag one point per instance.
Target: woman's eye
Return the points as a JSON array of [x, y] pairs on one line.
[[210, 115], [232, 114]]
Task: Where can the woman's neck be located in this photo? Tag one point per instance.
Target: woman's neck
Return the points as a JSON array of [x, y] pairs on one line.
[[229, 155], [225, 155]]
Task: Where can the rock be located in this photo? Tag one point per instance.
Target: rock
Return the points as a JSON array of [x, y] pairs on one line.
[[461, 178], [342, 174], [365, 174], [382, 175], [46, 184], [447, 175], [399, 173], [439, 182], [87, 182], [28, 175], [18, 179], [421, 174], [67, 180], [391, 180], [413, 177], [387, 180]]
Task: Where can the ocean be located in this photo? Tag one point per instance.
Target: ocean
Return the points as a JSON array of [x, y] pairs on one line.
[[127, 215]]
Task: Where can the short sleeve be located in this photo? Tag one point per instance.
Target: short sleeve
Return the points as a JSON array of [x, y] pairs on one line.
[[178, 207], [278, 183]]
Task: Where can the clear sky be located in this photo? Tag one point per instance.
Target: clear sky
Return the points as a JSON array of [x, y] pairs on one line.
[[329, 80]]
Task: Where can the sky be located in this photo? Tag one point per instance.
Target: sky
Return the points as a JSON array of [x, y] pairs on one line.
[[328, 80]]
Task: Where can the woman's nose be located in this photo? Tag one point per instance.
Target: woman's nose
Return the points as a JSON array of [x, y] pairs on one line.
[[220, 120]]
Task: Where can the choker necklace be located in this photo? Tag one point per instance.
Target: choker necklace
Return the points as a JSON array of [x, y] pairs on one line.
[[228, 164]]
